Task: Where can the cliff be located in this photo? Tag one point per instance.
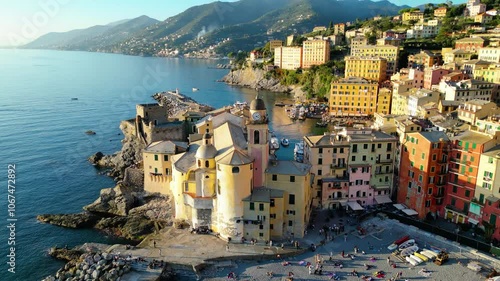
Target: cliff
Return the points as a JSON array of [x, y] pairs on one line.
[[255, 79]]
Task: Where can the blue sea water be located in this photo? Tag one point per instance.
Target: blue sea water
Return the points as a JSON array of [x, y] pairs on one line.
[[42, 134]]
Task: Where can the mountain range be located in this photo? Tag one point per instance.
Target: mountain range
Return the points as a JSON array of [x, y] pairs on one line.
[[223, 26]]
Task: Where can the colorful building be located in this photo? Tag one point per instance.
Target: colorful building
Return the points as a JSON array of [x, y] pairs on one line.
[[422, 176], [273, 44], [489, 54], [467, 90], [424, 59], [440, 12], [416, 16], [339, 28], [315, 52], [353, 96], [370, 68], [388, 52], [490, 73], [288, 57], [433, 75], [465, 155], [470, 44], [384, 100]]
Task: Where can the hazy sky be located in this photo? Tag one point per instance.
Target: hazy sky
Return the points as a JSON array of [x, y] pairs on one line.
[[25, 20]]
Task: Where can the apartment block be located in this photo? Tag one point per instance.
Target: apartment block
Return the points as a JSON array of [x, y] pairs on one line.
[[288, 57], [315, 52], [353, 96], [370, 68]]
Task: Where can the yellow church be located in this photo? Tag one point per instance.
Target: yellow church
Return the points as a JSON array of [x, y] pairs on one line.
[[227, 180]]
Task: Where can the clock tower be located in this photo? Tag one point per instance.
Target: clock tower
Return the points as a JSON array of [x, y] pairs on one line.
[[258, 139]]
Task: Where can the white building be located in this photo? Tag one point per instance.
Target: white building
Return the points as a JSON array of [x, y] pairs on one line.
[[467, 90], [489, 54]]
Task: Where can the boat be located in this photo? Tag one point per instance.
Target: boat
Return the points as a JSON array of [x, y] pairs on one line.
[[321, 124], [302, 113], [279, 103], [195, 89], [419, 260], [412, 261], [407, 244], [74, 98], [240, 104], [90, 132], [398, 242], [420, 256], [285, 142], [408, 251], [298, 152], [274, 144], [428, 254]]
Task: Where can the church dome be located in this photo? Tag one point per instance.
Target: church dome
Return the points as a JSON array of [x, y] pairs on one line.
[[206, 152], [257, 104]]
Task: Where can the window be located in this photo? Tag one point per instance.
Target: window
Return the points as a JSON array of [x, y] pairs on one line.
[[413, 151], [271, 226], [379, 145], [421, 167], [207, 164], [261, 234], [354, 148], [156, 157], [272, 216], [467, 193], [453, 201], [320, 172], [427, 203], [320, 150], [320, 161], [423, 155], [353, 158], [419, 189], [290, 223], [433, 169], [291, 199], [365, 146], [261, 226], [454, 189], [275, 177], [261, 207], [167, 171], [165, 157], [272, 204], [236, 170], [256, 137], [429, 191], [434, 157], [292, 178], [364, 157], [420, 178]]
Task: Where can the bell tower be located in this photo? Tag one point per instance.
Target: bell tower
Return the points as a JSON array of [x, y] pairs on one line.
[[258, 139]]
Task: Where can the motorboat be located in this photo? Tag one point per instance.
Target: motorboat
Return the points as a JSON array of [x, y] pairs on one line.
[[74, 98], [279, 103], [408, 251], [90, 132], [195, 89], [406, 244], [321, 124], [298, 152], [398, 242], [275, 144], [285, 142]]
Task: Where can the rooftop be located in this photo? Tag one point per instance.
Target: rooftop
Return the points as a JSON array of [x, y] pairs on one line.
[[167, 147], [287, 168], [264, 194], [435, 136], [472, 136]]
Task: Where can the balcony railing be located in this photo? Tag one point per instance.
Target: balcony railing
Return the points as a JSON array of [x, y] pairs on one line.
[[384, 160], [438, 195], [155, 174], [338, 166], [383, 172]]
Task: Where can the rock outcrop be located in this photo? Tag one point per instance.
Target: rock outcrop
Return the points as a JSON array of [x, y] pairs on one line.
[[121, 211], [114, 201], [81, 220], [65, 253], [255, 79]]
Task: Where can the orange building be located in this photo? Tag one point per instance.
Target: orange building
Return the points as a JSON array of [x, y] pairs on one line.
[[466, 150], [422, 176], [315, 52]]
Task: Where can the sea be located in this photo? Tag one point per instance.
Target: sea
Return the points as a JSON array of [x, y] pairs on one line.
[[48, 100]]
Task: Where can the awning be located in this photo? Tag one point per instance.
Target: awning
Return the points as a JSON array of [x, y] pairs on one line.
[[343, 203], [354, 206], [383, 199], [409, 212], [473, 221], [399, 206]]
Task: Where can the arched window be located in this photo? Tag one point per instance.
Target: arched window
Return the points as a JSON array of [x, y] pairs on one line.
[[256, 137], [358, 193], [206, 164], [199, 163], [236, 170]]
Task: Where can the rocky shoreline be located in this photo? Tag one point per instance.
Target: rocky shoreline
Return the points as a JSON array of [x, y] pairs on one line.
[[256, 78]]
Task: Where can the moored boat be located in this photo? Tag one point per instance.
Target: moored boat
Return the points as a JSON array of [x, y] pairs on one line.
[[274, 144], [279, 103], [408, 251], [285, 142], [195, 89]]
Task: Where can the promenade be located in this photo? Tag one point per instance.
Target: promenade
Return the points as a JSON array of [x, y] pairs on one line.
[[256, 262]]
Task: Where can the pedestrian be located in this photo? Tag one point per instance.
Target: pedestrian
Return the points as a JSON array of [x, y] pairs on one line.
[[389, 260], [310, 269], [270, 243]]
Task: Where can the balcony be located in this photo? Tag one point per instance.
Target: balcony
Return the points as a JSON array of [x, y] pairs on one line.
[[384, 172], [379, 161], [155, 174], [455, 160], [440, 184], [338, 166], [438, 195], [453, 170], [487, 179]]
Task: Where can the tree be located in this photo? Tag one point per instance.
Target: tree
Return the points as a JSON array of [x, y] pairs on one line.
[[330, 26]]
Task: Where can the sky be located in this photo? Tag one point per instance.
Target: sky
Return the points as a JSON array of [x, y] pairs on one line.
[[23, 21]]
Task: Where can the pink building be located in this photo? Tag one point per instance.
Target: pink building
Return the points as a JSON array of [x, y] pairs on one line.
[[417, 76], [433, 75], [359, 177]]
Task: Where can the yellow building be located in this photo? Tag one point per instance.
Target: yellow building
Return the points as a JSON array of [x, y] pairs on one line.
[[370, 68], [289, 40], [384, 100], [490, 73], [339, 28], [483, 18], [412, 16], [440, 12], [399, 105], [158, 165], [388, 52], [353, 96], [226, 182], [315, 52], [273, 44], [288, 57]]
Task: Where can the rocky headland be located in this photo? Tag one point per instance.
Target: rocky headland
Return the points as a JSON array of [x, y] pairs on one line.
[[257, 78]]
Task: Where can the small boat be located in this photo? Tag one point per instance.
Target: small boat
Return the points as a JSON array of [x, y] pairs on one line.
[[430, 253], [420, 256], [408, 251], [407, 244], [321, 124], [275, 144], [279, 103], [285, 142], [427, 254], [74, 98], [412, 261], [90, 132], [398, 242], [419, 261], [298, 152], [195, 89]]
